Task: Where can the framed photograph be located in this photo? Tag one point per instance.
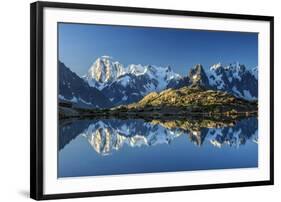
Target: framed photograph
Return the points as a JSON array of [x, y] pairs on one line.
[[136, 100]]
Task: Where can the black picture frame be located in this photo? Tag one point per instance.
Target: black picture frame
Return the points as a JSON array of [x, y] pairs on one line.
[[36, 98]]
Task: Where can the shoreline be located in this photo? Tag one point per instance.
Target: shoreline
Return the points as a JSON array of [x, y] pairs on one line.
[[150, 115]]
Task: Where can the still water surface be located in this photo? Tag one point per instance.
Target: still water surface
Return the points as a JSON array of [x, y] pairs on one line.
[[115, 146]]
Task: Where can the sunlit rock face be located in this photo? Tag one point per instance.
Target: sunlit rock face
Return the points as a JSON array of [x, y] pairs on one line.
[[104, 70]]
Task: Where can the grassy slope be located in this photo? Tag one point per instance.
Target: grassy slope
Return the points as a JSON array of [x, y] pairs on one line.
[[182, 102], [194, 99]]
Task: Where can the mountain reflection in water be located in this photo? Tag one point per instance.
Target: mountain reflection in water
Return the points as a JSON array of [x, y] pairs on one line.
[[107, 136], [118, 146]]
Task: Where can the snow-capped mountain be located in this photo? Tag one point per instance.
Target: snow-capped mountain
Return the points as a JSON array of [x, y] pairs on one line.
[[104, 71], [255, 72], [138, 82], [161, 75], [123, 85], [235, 79], [74, 89]]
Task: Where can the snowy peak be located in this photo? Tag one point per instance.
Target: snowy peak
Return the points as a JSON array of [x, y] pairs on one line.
[[255, 72], [152, 71], [236, 70], [104, 70], [216, 67], [157, 77], [137, 69], [232, 71], [234, 78], [217, 76]]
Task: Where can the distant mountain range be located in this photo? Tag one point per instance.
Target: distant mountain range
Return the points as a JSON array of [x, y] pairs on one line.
[[108, 83]]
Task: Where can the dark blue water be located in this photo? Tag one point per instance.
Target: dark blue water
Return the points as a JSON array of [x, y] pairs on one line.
[[114, 146]]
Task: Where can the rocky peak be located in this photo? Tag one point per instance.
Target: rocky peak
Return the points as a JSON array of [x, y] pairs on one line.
[[198, 77], [105, 69], [169, 68]]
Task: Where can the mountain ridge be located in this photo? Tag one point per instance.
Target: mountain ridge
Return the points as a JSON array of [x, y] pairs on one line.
[[129, 84], [125, 85], [73, 89]]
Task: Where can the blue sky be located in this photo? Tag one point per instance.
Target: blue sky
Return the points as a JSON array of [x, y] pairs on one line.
[[81, 44]]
